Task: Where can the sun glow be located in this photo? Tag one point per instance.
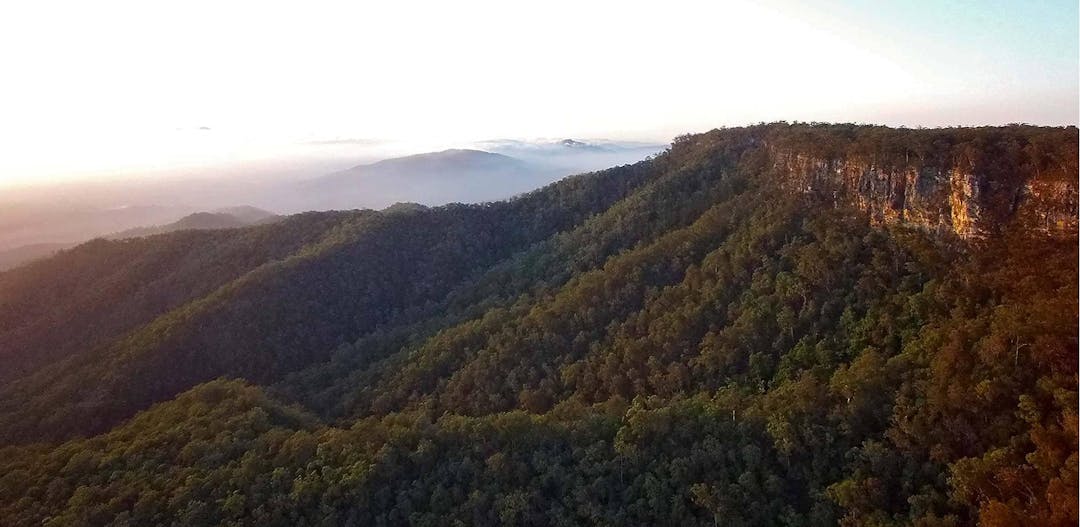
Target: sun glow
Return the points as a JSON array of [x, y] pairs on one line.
[[128, 86]]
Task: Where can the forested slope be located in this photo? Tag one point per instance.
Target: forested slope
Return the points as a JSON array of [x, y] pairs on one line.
[[93, 293], [701, 338]]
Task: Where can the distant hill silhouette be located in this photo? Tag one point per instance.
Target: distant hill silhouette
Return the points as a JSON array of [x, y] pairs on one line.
[[229, 218], [16, 256], [434, 178]]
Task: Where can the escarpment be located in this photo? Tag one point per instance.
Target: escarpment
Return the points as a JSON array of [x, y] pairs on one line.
[[970, 191]]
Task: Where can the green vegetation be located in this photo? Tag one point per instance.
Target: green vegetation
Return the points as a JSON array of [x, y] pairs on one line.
[[684, 341]]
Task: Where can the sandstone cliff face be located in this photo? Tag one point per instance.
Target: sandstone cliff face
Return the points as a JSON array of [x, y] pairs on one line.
[[951, 200]]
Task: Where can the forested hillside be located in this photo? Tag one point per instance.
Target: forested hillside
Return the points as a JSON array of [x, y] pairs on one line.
[[772, 325]]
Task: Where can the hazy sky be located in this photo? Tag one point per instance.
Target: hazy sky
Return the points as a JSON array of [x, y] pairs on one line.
[[92, 86]]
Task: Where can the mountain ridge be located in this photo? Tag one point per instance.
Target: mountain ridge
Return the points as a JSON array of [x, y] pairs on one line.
[[226, 218], [727, 332], [740, 145], [229, 218]]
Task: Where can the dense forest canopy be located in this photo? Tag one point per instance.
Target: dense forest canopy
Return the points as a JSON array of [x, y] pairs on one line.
[[689, 340]]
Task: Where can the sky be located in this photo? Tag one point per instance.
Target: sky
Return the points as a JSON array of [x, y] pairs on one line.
[[91, 88]]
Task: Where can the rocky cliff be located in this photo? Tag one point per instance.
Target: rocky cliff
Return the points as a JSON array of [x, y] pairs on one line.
[[966, 195]]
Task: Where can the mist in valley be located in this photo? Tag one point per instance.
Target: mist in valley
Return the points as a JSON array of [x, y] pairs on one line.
[[37, 219]]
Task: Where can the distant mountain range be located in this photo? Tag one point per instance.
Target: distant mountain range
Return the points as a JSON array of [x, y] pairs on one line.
[[515, 146], [434, 178], [496, 169], [62, 220], [39, 224], [227, 218], [16, 256]]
